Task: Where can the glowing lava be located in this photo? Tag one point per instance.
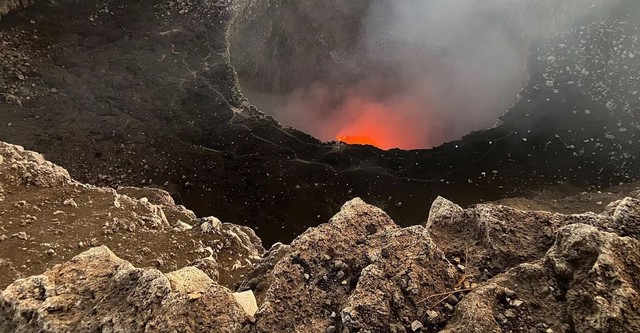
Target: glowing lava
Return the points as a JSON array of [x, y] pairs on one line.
[[358, 140], [378, 124]]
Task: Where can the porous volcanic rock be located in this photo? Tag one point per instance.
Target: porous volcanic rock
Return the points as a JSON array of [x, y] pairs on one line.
[[625, 217], [587, 282], [487, 268], [97, 291], [29, 168], [359, 271], [259, 279], [491, 239]]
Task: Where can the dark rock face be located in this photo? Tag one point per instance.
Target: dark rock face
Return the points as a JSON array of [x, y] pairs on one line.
[[280, 47], [139, 93], [7, 6]]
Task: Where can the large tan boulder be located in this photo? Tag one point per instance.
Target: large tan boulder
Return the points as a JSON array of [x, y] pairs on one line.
[[358, 272], [97, 291], [490, 239], [587, 282]]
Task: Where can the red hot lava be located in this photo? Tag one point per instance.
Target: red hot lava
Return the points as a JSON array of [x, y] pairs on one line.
[[378, 124]]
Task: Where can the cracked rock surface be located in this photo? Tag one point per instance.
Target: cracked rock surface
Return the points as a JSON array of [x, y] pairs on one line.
[[587, 282], [358, 271]]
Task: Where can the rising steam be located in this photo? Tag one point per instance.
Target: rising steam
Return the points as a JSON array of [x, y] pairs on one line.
[[432, 70]]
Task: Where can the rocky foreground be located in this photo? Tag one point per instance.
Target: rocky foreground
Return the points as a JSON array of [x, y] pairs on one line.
[[489, 268]]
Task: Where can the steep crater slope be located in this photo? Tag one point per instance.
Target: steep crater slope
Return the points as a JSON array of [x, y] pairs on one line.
[[141, 93], [574, 119], [416, 75]]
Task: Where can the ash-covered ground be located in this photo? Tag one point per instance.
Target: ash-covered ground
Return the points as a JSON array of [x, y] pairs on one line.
[[144, 93]]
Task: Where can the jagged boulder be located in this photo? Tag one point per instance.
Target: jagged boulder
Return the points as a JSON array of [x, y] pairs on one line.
[[491, 239], [259, 278], [22, 167], [624, 217], [360, 271], [482, 269], [97, 291], [587, 282]]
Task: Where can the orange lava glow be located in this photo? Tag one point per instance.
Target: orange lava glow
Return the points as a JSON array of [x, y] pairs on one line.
[[358, 140], [377, 124]]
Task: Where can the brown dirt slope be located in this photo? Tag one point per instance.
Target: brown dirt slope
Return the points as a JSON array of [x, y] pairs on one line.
[[46, 218]]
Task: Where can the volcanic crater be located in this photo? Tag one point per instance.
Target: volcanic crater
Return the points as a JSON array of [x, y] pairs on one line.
[[155, 94], [339, 128]]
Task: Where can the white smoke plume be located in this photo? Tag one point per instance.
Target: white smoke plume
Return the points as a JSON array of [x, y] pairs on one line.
[[438, 69]]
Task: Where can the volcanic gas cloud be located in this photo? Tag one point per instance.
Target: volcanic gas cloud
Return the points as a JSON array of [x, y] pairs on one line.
[[414, 74], [357, 115]]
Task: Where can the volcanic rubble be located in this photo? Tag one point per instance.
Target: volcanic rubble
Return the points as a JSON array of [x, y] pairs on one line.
[[488, 268]]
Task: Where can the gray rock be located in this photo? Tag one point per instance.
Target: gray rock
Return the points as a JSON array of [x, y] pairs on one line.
[[20, 235], [509, 314], [516, 303]]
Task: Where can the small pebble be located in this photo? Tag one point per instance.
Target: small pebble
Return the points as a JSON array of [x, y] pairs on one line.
[[516, 303], [509, 314], [509, 293], [416, 326]]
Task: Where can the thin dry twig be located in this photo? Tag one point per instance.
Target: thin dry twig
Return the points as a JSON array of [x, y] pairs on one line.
[[456, 288], [446, 294]]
